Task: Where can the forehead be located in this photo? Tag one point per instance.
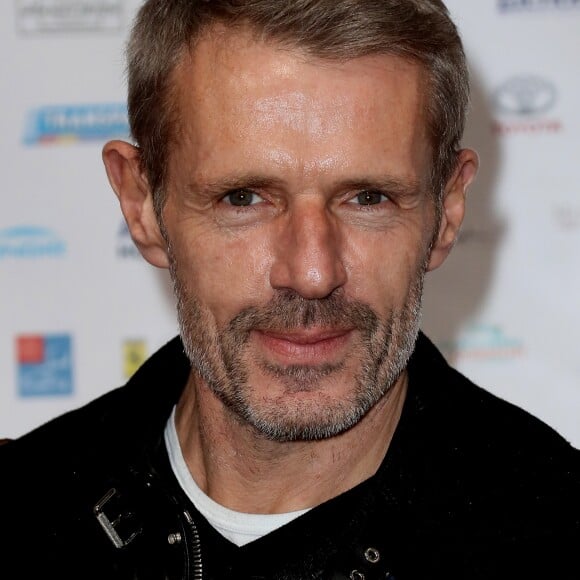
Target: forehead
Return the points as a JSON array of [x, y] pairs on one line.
[[233, 89]]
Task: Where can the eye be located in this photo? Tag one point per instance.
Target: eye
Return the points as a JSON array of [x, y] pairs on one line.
[[369, 197], [242, 198]]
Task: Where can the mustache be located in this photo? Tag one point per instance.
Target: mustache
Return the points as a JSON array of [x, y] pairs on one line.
[[287, 311]]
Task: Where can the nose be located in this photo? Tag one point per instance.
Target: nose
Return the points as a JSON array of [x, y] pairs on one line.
[[308, 254]]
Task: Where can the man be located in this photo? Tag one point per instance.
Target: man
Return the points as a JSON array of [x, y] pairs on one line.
[[297, 168]]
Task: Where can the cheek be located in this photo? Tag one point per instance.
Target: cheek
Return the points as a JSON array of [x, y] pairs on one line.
[[225, 273], [383, 267]]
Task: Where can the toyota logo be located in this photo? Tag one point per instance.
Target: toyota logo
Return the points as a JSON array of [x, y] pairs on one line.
[[525, 96]]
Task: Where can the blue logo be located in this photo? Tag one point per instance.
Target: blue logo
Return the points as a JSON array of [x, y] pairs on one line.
[[44, 365], [125, 246], [63, 124], [30, 242], [531, 5], [484, 342]]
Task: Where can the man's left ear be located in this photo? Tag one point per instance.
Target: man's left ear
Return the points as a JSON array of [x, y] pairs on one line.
[[453, 206]]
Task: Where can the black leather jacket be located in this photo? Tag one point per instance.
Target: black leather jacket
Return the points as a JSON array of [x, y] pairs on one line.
[[471, 487]]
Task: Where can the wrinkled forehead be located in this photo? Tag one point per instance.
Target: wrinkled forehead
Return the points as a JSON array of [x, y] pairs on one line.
[[235, 70], [249, 104]]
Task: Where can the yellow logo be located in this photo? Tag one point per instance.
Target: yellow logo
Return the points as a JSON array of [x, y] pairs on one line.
[[134, 355]]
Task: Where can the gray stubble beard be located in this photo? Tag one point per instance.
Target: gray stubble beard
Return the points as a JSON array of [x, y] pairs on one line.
[[218, 358]]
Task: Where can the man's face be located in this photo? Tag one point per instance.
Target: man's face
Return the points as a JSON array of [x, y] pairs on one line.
[[299, 220]]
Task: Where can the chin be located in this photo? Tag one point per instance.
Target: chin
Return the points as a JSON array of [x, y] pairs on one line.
[[294, 409]]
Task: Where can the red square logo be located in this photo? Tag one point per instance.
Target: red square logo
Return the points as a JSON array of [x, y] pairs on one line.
[[30, 349]]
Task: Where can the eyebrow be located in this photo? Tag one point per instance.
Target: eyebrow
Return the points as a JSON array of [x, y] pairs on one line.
[[394, 186], [230, 183]]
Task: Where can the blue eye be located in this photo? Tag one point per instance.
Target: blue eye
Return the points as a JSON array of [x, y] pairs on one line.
[[242, 198], [370, 197]]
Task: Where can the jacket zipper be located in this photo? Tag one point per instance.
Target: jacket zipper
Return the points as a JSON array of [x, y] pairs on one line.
[[195, 545]]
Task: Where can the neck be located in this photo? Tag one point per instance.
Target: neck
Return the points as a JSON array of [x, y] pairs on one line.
[[240, 469]]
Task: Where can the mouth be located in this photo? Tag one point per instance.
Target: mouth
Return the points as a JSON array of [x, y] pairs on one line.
[[308, 346]]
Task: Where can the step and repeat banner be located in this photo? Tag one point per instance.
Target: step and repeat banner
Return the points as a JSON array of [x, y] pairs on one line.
[[80, 309]]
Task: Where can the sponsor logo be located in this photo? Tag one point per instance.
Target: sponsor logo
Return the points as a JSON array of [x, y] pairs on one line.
[[44, 365], [525, 96], [72, 123], [533, 5], [483, 342], [567, 217], [522, 104], [125, 246], [134, 355], [30, 242], [69, 15], [478, 235]]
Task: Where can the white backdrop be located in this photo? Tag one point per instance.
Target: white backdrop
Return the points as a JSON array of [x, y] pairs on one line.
[[79, 308]]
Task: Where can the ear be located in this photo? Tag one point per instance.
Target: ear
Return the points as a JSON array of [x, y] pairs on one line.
[[127, 179], [453, 206]]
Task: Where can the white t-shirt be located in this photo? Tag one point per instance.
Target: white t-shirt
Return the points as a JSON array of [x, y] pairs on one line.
[[238, 527]]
